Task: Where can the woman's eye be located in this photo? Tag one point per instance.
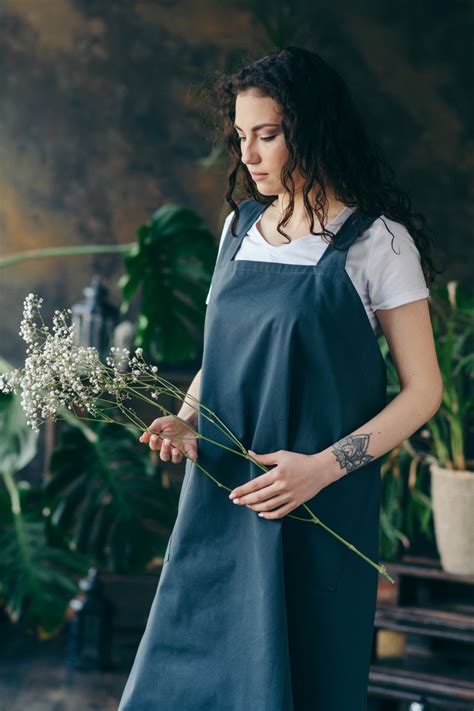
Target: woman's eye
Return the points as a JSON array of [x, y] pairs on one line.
[[263, 138]]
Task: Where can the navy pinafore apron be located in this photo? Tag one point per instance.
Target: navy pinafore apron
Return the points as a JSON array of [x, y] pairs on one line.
[[272, 615]]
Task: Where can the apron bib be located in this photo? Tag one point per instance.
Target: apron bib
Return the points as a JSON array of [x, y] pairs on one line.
[[272, 615]]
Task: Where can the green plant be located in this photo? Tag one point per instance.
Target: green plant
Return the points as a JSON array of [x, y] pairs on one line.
[[171, 263], [37, 578], [446, 437], [453, 325], [107, 498], [103, 503]]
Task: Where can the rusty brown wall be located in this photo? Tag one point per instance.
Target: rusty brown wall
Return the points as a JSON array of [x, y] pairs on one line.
[[101, 119]]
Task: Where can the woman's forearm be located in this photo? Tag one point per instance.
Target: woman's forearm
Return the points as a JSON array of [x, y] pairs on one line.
[[405, 414], [188, 410]]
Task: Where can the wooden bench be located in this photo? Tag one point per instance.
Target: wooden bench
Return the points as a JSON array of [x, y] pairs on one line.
[[435, 612]]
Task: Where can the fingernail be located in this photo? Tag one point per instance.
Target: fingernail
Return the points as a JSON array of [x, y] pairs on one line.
[[231, 495], [261, 515], [236, 501]]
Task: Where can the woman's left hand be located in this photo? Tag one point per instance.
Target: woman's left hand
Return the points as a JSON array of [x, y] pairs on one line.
[[295, 479]]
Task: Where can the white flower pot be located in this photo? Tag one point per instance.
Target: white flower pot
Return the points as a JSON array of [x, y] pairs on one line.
[[452, 495]]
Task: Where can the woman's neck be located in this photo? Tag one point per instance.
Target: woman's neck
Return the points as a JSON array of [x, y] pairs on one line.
[[299, 219]]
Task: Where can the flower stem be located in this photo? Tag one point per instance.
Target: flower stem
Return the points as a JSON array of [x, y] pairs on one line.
[[74, 378], [177, 393]]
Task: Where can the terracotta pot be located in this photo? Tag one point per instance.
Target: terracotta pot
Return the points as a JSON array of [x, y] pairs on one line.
[[452, 495]]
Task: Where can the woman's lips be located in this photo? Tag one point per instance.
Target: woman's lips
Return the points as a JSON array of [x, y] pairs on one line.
[[259, 176]]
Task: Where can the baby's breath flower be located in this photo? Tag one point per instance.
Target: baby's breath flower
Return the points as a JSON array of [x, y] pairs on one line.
[[59, 375]]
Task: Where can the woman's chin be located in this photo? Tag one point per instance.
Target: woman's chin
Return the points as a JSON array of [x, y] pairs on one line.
[[265, 189]]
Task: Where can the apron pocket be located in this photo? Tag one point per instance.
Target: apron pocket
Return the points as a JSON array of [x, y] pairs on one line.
[[349, 509], [330, 558]]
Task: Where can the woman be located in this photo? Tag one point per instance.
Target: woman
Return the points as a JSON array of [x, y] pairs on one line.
[[257, 611]]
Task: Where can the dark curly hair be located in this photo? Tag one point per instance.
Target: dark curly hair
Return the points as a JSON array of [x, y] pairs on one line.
[[326, 140]]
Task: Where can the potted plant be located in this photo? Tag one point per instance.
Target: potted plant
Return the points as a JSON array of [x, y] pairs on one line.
[[428, 480], [450, 431]]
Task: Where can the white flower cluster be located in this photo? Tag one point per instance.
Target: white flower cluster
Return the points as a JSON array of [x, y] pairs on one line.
[[59, 374]]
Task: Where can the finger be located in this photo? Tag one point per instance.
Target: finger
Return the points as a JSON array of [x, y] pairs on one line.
[[189, 453], [161, 426], [165, 450], [154, 434], [258, 483], [278, 513], [176, 455], [155, 442], [267, 458], [157, 426], [261, 495], [270, 504]]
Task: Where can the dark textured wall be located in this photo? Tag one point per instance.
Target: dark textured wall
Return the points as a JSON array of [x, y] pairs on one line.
[[102, 119]]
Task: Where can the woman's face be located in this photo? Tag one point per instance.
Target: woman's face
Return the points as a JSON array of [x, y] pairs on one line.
[[263, 147]]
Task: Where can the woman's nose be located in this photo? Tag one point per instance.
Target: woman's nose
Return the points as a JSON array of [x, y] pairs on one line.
[[250, 155]]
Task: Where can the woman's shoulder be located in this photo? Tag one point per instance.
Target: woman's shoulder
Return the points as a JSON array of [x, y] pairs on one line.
[[384, 230], [385, 239], [387, 260]]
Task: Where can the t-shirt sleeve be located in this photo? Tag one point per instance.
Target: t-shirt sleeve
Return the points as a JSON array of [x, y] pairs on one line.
[[225, 227], [395, 275]]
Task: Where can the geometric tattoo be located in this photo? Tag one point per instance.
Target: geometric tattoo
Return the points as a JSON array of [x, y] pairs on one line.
[[350, 451]]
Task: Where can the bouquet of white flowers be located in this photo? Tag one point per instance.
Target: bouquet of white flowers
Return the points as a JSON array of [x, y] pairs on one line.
[[60, 376]]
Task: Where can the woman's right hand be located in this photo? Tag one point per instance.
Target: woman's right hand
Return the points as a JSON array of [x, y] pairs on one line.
[[170, 444]]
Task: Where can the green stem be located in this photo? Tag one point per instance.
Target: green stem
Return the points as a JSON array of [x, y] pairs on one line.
[[65, 252], [170, 388], [130, 414], [183, 422], [223, 428], [313, 518], [317, 521]]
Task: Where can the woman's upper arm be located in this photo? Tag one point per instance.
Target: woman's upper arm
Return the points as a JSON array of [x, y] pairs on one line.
[[409, 335]]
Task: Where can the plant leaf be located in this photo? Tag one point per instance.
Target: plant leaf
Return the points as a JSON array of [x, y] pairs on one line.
[[105, 499]]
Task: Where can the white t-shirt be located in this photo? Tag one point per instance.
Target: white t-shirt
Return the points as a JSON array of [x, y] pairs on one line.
[[383, 278]]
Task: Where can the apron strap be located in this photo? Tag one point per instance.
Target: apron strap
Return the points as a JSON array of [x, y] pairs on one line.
[[249, 210], [356, 223]]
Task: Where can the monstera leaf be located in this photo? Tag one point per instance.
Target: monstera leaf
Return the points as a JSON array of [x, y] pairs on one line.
[[37, 580], [106, 498], [17, 439], [172, 263]]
